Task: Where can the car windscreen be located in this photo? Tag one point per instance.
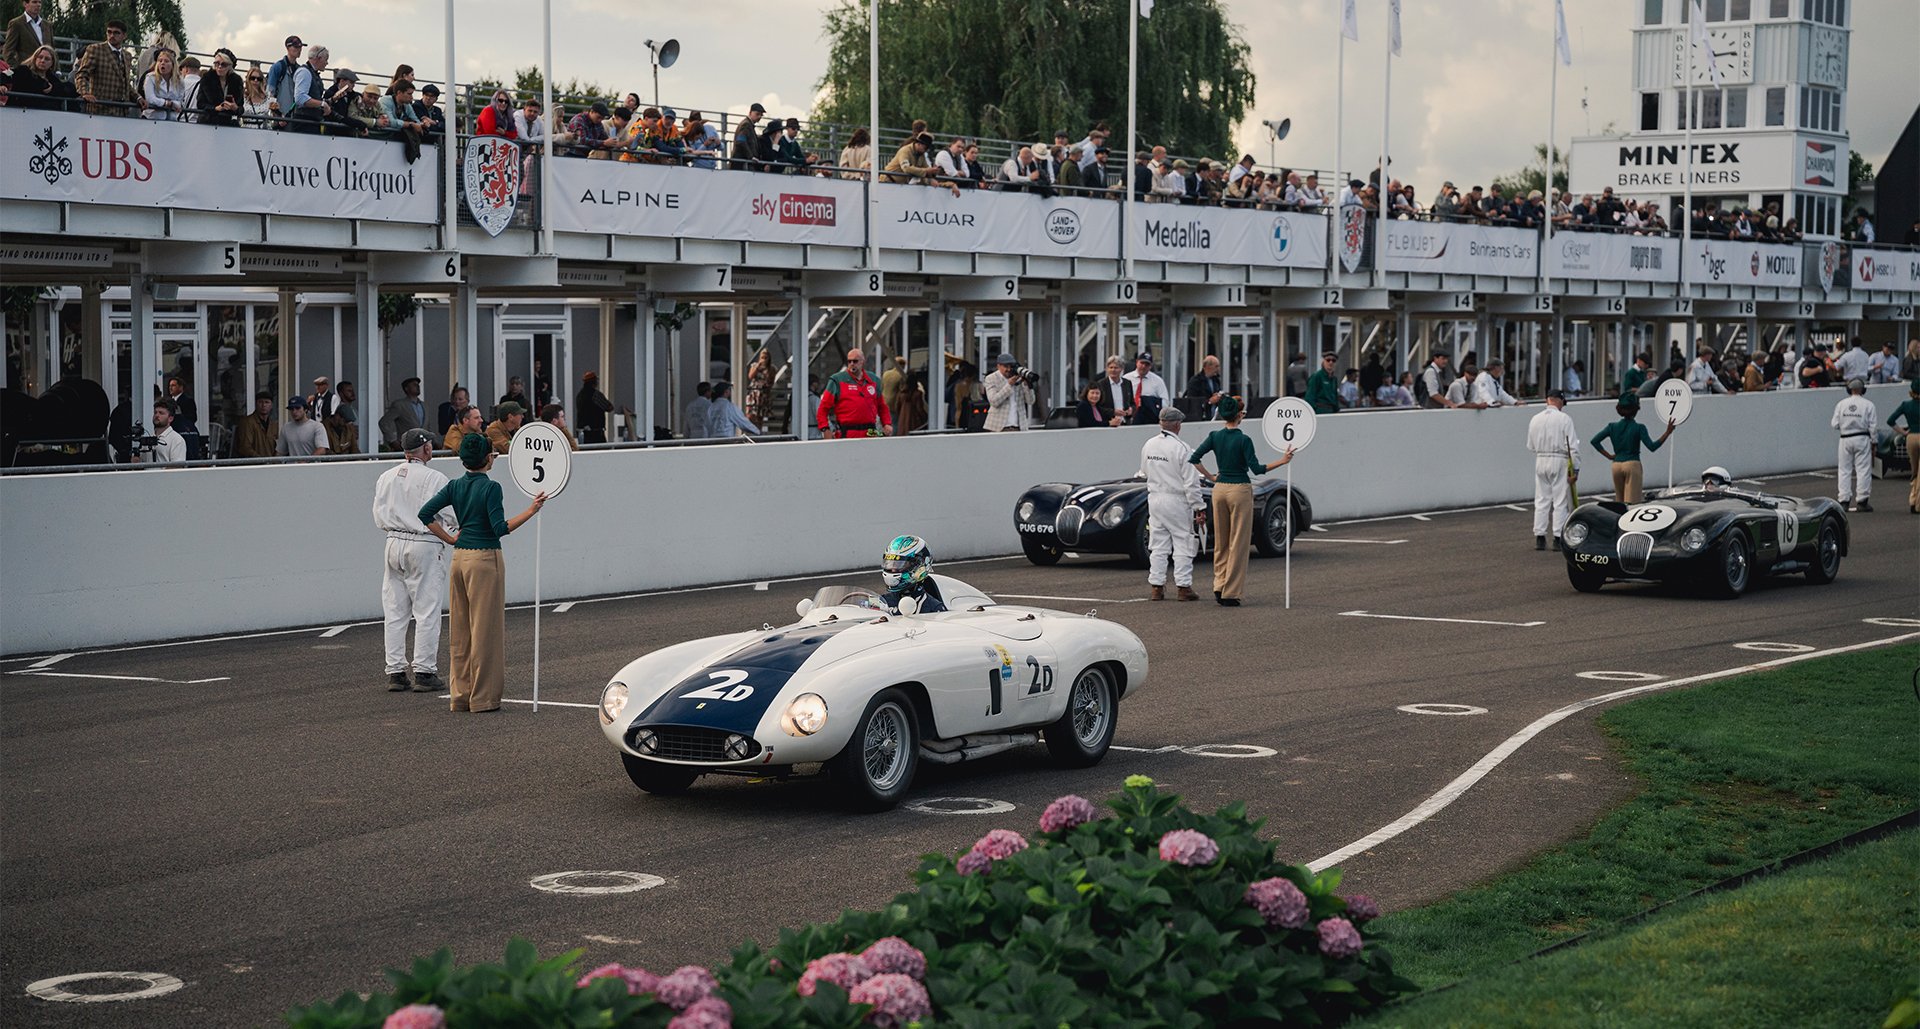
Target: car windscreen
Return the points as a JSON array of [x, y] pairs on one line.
[[835, 596]]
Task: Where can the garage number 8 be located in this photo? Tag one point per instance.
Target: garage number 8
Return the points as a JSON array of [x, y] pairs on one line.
[[727, 685], [1648, 518]]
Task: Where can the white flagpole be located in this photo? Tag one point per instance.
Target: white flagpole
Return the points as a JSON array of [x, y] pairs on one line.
[[1686, 183], [1553, 98], [546, 179], [450, 141], [1339, 130], [1386, 121], [1133, 136], [873, 144]]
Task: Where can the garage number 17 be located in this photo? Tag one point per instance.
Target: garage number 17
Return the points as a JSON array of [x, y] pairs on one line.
[[730, 684]]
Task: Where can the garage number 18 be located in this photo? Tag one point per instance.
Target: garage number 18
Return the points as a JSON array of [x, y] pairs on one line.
[[1042, 677], [730, 684]]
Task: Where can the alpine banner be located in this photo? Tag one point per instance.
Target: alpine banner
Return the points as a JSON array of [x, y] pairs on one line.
[[1724, 262], [1458, 248], [990, 222], [629, 199], [130, 162], [1227, 235], [1616, 256]]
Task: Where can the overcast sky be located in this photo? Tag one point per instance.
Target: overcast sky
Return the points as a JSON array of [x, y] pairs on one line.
[[1469, 91]]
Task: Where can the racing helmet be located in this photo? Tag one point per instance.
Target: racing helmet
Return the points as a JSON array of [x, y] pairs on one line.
[[907, 562], [1716, 478]]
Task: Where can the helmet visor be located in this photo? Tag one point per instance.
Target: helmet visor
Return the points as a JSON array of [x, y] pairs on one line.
[[897, 565]]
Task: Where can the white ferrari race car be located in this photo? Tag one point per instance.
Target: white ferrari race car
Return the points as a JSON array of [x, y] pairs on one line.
[[866, 695]]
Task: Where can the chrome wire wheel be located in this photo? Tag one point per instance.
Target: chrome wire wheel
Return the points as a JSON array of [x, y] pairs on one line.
[[883, 750], [1091, 707]]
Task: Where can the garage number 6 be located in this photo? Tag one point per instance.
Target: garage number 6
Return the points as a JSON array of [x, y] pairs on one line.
[[728, 685]]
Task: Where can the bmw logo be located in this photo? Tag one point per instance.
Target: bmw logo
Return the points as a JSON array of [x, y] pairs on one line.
[[1282, 238]]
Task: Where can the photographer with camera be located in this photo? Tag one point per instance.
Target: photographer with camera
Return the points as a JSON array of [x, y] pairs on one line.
[[1010, 395], [164, 446]]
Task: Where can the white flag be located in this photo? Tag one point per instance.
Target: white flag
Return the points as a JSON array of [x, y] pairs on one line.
[[1350, 19], [1146, 8], [1393, 25], [1560, 42], [1704, 44]]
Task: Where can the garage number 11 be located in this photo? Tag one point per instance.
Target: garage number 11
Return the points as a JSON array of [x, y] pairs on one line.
[[730, 684], [1042, 677]]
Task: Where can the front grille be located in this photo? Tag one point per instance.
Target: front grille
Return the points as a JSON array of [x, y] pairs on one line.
[[1635, 549], [1066, 525], [685, 743]]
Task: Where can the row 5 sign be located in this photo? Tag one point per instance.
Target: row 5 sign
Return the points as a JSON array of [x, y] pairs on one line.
[[78, 158]]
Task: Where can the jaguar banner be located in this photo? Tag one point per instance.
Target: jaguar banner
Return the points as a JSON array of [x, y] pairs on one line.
[[630, 199], [129, 162], [979, 221]]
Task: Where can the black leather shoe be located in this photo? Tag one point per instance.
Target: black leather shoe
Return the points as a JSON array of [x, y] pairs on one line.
[[1229, 601], [397, 682], [1539, 543], [427, 682], [1556, 544], [1864, 506]]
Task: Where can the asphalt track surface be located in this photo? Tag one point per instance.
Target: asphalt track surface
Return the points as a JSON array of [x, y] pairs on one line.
[[259, 818]]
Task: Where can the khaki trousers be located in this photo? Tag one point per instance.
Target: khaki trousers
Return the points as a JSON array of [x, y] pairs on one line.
[[1626, 481], [1913, 469], [477, 628], [1232, 534]]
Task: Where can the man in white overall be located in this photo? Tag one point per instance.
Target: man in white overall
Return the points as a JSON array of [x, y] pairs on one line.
[[1854, 418], [416, 564], [1556, 463], [1173, 507]]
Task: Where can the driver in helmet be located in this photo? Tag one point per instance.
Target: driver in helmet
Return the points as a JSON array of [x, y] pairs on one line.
[[907, 569], [1715, 479]]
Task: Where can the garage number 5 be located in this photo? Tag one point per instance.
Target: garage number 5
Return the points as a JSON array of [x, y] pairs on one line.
[[727, 685]]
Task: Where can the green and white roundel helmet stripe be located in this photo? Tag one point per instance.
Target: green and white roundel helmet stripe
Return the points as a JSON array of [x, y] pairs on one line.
[[907, 562]]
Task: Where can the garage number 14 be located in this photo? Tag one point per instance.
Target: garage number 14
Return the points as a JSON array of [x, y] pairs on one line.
[[730, 684]]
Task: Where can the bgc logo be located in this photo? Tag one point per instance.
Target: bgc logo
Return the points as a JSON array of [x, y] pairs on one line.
[[797, 209]]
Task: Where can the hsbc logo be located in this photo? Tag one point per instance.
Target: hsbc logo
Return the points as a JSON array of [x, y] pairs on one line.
[[797, 209], [1866, 270]]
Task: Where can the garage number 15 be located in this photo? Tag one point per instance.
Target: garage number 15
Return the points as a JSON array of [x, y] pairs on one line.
[[1042, 677], [730, 684]]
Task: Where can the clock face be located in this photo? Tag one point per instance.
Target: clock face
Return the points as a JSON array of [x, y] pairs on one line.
[[1729, 50], [1827, 63]]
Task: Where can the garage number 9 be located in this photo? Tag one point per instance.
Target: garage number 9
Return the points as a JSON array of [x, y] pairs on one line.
[[730, 684], [1647, 518]]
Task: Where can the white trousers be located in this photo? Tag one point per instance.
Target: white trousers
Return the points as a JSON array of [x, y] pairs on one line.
[[1552, 497], [1856, 468], [410, 591], [1170, 534]]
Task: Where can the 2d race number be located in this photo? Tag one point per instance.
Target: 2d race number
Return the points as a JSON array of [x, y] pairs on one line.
[[1042, 677], [730, 684], [1648, 518]]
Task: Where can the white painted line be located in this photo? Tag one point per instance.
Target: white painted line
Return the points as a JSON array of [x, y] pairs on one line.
[[1898, 623], [54, 660], [50, 674], [1441, 709], [1622, 676], [1143, 750], [1235, 750], [561, 609], [1316, 528], [760, 587], [1775, 648], [1420, 518], [1460, 785], [335, 631], [1330, 539], [554, 703], [625, 882], [1425, 618], [962, 806], [1516, 507], [157, 984], [1077, 600]]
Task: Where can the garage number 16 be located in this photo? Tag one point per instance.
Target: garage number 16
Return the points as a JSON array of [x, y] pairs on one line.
[[727, 685], [1042, 677]]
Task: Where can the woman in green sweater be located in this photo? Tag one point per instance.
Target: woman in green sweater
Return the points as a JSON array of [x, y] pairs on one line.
[[1232, 499], [477, 608], [1627, 437]]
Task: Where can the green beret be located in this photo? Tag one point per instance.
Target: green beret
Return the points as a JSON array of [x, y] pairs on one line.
[[1913, 387], [1229, 408], [1630, 400], [474, 449]]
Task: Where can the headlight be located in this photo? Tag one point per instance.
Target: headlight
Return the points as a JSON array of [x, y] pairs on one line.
[[1113, 515], [738, 747], [805, 716], [646, 741], [1693, 539], [1575, 533], [613, 700], [1026, 510]]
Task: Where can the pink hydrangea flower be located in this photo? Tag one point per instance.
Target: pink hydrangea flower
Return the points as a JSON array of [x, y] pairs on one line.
[[1361, 908], [687, 985], [417, 1016], [1188, 847], [843, 970], [894, 955], [1338, 938], [1279, 902], [1000, 844], [638, 980], [973, 863], [706, 1013], [1065, 813], [897, 1000]]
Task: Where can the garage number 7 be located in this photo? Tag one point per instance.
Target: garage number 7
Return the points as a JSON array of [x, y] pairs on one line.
[[727, 685]]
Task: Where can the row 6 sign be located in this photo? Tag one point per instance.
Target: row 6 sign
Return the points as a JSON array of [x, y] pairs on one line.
[[53, 155]]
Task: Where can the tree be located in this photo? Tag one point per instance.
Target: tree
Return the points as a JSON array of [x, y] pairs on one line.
[[87, 19], [1530, 178], [1859, 174], [1021, 69]]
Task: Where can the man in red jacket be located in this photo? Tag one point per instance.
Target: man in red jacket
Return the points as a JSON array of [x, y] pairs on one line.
[[850, 403]]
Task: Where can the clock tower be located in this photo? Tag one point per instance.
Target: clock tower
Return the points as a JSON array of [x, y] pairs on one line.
[[1766, 93]]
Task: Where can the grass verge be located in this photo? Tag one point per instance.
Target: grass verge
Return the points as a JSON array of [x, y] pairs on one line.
[[1737, 773]]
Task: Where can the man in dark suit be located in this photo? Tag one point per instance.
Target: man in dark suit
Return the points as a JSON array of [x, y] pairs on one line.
[[25, 34], [1116, 394], [746, 140], [1206, 385]]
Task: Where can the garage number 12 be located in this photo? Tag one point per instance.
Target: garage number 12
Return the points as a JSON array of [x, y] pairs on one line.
[[730, 684]]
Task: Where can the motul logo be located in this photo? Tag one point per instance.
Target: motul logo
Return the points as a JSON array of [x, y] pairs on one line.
[[115, 159]]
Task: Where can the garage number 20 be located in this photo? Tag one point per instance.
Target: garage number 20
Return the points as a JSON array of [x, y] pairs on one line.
[[730, 684], [1042, 677]]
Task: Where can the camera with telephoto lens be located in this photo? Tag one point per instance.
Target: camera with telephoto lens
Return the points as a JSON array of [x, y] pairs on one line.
[[140, 442], [1026, 375]]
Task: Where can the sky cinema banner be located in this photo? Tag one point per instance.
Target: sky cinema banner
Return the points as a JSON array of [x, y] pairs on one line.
[[79, 158]]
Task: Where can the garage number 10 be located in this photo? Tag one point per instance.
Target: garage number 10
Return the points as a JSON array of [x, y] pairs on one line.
[[730, 684]]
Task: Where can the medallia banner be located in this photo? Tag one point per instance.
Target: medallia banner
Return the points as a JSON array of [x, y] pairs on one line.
[[1884, 269], [1229, 235], [1731, 263], [1455, 248], [79, 158], [699, 203], [990, 222], [1615, 256]]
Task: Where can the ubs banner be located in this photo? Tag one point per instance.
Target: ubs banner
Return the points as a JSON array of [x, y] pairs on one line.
[[1456, 248], [667, 200], [1215, 235], [987, 222], [1726, 262], [1616, 256], [78, 158]]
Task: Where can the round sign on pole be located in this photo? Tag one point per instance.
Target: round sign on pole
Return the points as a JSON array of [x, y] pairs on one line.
[[1673, 402], [540, 459], [1288, 422]]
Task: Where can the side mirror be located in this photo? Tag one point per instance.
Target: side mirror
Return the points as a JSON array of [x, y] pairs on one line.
[[909, 605], [805, 605]]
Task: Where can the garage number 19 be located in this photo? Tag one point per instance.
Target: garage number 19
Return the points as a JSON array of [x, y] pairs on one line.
[[730, 684], [1042, 677]]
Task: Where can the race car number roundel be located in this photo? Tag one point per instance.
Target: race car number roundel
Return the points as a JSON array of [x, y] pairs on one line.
[[1647, 518]]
